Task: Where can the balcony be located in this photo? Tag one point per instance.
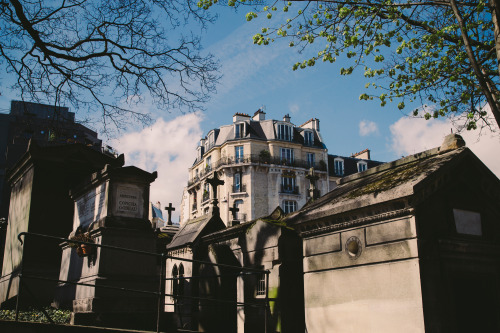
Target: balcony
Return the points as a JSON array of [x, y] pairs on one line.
[[256, 159], [239, 188], [289, 189]]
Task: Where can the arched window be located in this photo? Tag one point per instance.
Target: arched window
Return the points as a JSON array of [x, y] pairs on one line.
[[180, 290], [175, 281]]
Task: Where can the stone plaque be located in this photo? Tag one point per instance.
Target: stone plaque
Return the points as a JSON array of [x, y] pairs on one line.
[[91, 207], [129, 201]]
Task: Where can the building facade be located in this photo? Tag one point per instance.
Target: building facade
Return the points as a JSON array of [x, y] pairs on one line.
[[263, 163]]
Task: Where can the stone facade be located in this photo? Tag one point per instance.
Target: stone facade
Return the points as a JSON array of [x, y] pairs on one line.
[[263, 164]]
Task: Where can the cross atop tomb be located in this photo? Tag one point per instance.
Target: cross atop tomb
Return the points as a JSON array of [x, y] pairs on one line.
[[214, 182], [313, 177], [234, 210], [169, 209]]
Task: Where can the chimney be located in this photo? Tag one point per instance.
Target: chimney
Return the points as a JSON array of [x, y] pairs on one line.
[[452, 141], [259, 115], [316, 124], [240, 117], [286, 118]]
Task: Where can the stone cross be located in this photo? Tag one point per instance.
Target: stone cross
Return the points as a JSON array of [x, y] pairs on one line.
[[214, 182], [313, 178], [169, 209], [234, 210]]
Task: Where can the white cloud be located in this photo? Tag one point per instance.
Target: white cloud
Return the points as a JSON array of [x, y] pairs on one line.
[[410, 135], [367, 127], [294, 108], [166, 147]]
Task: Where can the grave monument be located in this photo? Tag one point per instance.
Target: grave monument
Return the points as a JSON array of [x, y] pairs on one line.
[[111, 207]]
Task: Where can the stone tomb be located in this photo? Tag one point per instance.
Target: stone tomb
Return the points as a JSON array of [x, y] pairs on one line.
[[112, 205]]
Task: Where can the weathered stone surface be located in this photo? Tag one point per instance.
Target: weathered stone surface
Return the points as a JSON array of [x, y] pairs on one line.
[[372, 254], [391, 231], [323, 244], [375, 298]]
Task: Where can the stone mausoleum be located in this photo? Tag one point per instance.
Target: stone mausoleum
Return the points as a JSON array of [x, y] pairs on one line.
[[407, 246]]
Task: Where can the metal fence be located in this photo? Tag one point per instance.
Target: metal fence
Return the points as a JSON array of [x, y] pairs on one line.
[[160, 294]]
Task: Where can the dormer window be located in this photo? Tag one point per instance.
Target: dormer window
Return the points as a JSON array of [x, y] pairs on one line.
[[210, 141], [338, 167], [308, 138], [200, 152], [239, 130], [285, 132], [362, 166]]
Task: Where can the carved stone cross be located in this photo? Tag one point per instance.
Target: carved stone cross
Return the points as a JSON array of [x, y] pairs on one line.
[[169, 209], [234, 210], [313, 178], [214, 182]]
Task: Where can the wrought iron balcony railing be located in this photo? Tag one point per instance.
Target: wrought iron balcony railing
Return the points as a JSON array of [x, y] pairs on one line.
[[256, 159], [289, 189], [239, 188]]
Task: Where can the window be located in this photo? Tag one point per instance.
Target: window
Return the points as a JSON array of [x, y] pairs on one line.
[[238, 154], [175, 281], [288, 183], [261, 284], [286, 155], [308, 138], [180, 287], [196, 174], [362, 166], [285, 132], [206, 192], [310, 160], [208, 164], [210, 141], [338, 165], [195, 201], [289, 206], [237, 183], [239, 130], [240, 216]]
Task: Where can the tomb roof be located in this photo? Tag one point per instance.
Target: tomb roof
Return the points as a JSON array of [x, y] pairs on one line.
[[383, 183], [195, 228]]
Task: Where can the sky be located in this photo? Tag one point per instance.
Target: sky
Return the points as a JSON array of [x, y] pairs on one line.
[[261, 76]]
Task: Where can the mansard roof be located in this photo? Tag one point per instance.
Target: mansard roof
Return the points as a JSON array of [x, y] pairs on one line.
[[263, 130], [350, 164]]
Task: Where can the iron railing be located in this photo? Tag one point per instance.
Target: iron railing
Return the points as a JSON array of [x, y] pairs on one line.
[[160, 294], [289, 189], [239, 188], [257, 159]]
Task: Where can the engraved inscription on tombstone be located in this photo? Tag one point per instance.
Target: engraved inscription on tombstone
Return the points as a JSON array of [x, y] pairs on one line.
[[129, 201], [91, 207]]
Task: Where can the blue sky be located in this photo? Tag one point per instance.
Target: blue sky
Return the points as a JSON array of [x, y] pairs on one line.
[[255, 76]]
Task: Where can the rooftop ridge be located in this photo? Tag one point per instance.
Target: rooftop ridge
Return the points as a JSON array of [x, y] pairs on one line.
[[452, 142], [359, 153], [307, 122], [241, 114]]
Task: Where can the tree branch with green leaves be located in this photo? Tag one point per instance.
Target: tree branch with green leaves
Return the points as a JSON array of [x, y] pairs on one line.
[[438, 54]]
